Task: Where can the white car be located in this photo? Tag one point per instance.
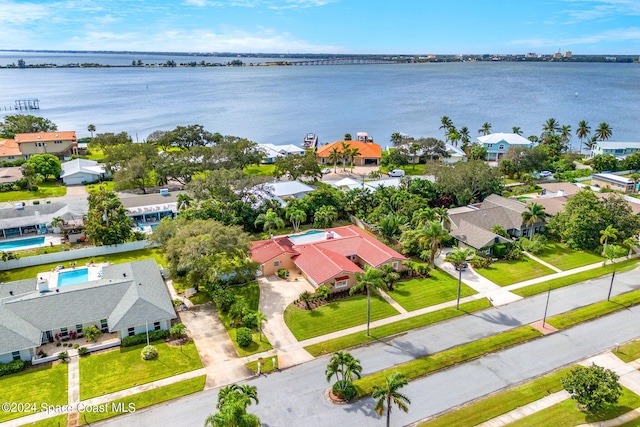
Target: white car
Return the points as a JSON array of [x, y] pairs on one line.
[[546, 174], [396, 173], [325, 171]]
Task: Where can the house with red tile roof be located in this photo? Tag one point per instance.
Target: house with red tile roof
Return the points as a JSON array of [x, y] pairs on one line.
[[9, 150], [330, 257], [370, 153], [59, 143]]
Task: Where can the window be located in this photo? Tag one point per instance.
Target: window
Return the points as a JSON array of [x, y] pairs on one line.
[[351, 257], [394, 264], [104, 326], [64, 332], [15, 355], [156, 326], [276, 263], [79, 328], [489, 145], [501, 147], [341, 284], [131, 331]]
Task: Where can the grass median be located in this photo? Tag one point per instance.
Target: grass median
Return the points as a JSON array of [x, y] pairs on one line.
[[145, 399], [358, 338], [505, 273], [560, 282], [628, 352], [425, 365], [501, 403]]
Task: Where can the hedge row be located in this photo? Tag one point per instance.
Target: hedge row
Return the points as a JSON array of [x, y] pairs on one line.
[[142, 338], [12, 367]]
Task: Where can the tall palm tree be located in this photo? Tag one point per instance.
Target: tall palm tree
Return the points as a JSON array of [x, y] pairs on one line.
[[345, 148], [269, 220], [434, 233], [232, 404], [608, 233], [445, 123], [296, 216], [458, 258], [260, 319], [396, 138], [516, 130], [533, 215], [183, 200], [485, 129], [603, 132], [551, 126], [583, 131], [443, 216], [92, 129], [353, 153], [371, 280], [465, 138], [388, 393], [335, 156], [423, 216], [343, 366], [453, 135], [630, 243], [590, 142], [565, 133]]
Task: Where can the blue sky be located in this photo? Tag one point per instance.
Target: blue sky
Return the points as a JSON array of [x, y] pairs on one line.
[[324, 26]]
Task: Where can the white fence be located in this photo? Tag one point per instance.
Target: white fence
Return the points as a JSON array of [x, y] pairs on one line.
[[71, 255]]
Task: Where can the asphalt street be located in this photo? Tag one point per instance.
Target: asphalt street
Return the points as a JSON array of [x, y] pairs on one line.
[[295, 396]]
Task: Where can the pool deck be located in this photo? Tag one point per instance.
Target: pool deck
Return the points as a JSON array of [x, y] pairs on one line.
[[49, 240], [94, 272]]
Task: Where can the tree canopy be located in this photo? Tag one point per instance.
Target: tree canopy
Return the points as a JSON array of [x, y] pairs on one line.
[[593, 387], [25, 123], [106, 223], [46, 165]]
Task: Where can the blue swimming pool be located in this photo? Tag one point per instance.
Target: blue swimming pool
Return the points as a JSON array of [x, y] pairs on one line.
[[306, 233], [22, 243], [73, 277]]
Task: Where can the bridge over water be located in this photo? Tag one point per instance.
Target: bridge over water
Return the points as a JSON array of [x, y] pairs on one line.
[[342, 61]]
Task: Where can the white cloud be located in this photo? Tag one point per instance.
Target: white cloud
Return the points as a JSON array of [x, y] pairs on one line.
[[614, 35], [595, 10], [18, 13]]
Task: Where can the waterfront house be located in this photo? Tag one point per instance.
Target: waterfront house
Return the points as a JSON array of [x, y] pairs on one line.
[[151, 208], [620, 150], [28, 220], [9, 150], [81, 171], [280, 191], [498, 143], [61, 144], [454, 154], [330, 257], [370, 153], [611, 181], [272, 152], [127, 299]]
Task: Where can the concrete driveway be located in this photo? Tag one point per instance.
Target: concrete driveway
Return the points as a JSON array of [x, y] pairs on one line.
[[275, 296]]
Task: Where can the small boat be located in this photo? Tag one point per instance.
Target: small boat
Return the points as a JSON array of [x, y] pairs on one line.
[[310, 141]]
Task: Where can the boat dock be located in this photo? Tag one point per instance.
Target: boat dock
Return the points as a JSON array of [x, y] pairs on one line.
[[25, 104]]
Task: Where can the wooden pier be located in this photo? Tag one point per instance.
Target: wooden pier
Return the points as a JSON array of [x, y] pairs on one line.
[[27, 104]]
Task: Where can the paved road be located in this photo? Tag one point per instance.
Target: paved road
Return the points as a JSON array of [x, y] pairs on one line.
[[295, 396]]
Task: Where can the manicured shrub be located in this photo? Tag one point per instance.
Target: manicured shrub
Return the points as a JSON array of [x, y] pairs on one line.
[[142, 338], [282, 273], [82, 351], [149, 352], [91, 333], [12, 367], [244, 337], [344, 390], [63, 356], [249, 320]]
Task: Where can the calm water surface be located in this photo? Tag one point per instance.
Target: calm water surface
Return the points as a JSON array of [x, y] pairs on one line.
[[281, 104]]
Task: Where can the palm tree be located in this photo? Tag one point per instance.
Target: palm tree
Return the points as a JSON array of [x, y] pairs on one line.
[[485, 129], [335, 156], [630, 243], [565, 133], [551, 126], [396, 138], [443, 215], [422, 216], [453, 136], [92, 129], [296, 216], [603, 132], [446, 124], [608, 233], [465, 138], [458, 258], [344, 367], [260, 319], [635, 177], [611, 253], [269, 221], [533, 215], [389, 275], [590, 142], [516, 130], [325, 216], [233, 401], [353, 153], [371, 280], [388, 393], [183, 200], [434, 233], [345, 154], [583, 131]]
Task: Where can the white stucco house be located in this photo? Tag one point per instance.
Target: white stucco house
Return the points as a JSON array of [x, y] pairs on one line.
[[81, 171], [272, 152]]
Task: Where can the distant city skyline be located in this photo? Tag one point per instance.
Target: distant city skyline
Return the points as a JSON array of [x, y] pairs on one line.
[[325, 26]]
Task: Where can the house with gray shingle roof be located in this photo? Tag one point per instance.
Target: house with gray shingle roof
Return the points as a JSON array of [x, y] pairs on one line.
[[128, 299]]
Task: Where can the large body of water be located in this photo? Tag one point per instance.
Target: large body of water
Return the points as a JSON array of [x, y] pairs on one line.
[[281, 104]]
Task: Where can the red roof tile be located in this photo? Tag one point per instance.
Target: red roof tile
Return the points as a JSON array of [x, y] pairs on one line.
[[265, 250], [367, 149], [45, 136]]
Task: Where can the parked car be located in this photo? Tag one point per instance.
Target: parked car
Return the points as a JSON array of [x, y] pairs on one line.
[[545, 174], [396, 173], [325, 171]]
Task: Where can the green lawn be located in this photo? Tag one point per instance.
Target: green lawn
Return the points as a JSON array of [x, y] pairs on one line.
[[46, 384], [147, 398], [505, 273], [629, 352], [418, 292], [45, 189], [108, 185], [564, 258], [335, 316], [268, 365], [381, 332], [60, 420], [250, 293], [560, 282], [32, 272], [262, 170], [121, 369], [420, 367], [566, 413], [501, 403]]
